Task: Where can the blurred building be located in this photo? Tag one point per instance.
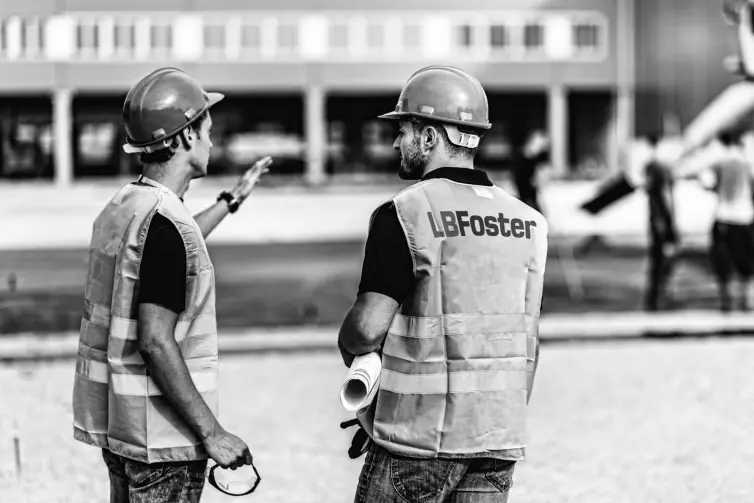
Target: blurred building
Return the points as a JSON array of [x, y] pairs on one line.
[[305, 79]]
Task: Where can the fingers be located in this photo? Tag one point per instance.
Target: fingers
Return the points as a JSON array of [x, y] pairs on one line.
[[233, 465], [248, 457]]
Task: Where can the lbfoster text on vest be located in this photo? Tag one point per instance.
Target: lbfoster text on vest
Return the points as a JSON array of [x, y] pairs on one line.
[[456, 223]]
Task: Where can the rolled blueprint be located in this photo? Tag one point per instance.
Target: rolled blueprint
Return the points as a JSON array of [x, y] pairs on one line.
[[362, 382]]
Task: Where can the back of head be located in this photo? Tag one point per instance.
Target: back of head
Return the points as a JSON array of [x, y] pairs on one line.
[[159, 108], [448, 97]]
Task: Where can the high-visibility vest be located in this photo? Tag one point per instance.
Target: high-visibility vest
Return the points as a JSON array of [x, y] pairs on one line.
[[455, 359], [116, 404]]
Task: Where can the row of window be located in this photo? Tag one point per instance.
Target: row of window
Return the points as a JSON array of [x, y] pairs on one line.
[[237, 37]]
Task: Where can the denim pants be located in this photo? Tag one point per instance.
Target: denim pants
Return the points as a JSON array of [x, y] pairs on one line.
[[135, 482], [387, 478]]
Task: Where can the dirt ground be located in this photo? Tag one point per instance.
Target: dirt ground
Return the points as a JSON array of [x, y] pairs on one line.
[[613, 422]]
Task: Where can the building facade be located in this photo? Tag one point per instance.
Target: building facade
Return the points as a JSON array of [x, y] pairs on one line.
[[305, 79]]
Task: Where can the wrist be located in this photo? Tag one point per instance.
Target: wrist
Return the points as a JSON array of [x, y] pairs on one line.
[[210, 430], [231, 199]]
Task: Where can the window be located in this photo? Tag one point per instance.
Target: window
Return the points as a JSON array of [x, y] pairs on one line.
[[339, 35], [87, 35], [3, 37], [214, 36], [412, 36], [162, 36], [375, 36], [287, 36], [498, 36], [125, 35], [533, 36], [465, 35], [586, 36], [251, 36]]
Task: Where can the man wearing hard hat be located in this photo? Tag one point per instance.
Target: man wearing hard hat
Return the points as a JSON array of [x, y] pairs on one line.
[[450, 295], [146, 384]]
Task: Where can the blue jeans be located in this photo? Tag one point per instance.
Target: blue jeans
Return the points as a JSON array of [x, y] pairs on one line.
[[135, 482], [387, 478]]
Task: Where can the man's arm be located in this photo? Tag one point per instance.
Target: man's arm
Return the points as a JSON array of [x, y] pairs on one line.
[[162, 296], [212, 216], [387, 276], [166, 366], [366, 325]]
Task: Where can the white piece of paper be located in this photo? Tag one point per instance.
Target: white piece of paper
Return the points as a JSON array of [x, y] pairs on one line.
[[362, 382]]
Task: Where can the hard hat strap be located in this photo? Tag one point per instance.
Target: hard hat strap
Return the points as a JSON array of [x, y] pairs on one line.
[[456, 137]]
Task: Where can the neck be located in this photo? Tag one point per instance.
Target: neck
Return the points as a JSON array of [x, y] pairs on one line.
[[434, 164], [173, 179]]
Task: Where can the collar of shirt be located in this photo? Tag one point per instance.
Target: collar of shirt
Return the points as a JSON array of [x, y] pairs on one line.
[[460, 175]]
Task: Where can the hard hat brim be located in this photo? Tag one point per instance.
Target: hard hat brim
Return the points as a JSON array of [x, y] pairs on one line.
[[408, 115], [212, 100]]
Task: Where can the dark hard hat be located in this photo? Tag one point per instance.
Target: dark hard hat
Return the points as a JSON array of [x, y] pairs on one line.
[[444, 94], [160, 106]]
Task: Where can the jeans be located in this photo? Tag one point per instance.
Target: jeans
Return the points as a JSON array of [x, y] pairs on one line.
[[388, 478], [135, 482]]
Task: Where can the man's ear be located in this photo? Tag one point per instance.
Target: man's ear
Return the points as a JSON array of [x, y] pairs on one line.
[[431, 136]]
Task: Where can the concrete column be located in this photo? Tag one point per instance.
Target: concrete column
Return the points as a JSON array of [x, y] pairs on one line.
[[623, 124], [315, 124], [62, 124], [557, 112]]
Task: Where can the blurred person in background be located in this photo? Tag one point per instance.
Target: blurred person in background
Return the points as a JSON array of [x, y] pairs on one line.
[[526, 160], [450, 296], [732, 238], [146, 384], [663, 231]]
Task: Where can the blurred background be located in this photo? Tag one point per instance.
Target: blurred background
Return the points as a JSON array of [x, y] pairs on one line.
[[571, 84]]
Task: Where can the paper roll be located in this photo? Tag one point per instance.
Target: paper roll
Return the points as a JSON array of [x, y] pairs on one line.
[[362, 382]]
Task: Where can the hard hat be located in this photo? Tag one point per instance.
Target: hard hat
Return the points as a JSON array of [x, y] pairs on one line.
[[160, 106], [447, 95]]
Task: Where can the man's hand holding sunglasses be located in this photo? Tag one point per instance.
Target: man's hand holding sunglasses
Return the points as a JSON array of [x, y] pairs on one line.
[[226, 449]]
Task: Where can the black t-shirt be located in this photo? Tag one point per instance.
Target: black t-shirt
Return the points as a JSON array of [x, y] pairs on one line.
[[388, 267], [162, 277]]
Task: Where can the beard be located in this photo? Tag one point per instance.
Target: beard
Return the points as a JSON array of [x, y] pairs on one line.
[[413, 164]]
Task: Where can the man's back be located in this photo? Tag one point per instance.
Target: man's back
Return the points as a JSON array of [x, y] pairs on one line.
[[733, 188], [468, 325]]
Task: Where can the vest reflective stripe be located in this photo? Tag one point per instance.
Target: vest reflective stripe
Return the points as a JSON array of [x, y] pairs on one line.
[[116, 404], [130, 384], [93, 370], [455, 359], [452, 382], [123, 328], [126, 329], [437, 326]]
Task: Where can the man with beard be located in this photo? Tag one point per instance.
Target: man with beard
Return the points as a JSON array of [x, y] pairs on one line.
[[450, 295]]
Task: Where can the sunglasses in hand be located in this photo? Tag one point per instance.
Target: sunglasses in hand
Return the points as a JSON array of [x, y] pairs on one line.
[[239, 482]]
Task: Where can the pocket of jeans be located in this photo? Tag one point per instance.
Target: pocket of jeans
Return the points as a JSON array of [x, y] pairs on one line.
[[142, 474], [419, 480], [502, 479]]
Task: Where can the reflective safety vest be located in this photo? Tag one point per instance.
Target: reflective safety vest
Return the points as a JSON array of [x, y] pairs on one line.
[[455, 359], [116, 404]]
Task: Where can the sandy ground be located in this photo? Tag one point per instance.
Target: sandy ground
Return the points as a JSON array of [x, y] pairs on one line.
[[651, 421]]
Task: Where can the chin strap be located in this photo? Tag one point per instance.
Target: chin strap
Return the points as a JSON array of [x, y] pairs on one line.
[[360, 442]]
